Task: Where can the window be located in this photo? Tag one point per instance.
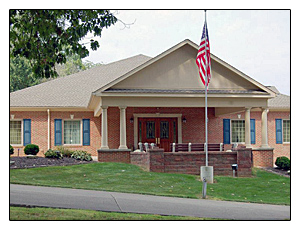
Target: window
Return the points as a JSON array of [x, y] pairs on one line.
[[15, 131], [237, 131], [150, 129], [286, 124], [164, 130], [72, 132]]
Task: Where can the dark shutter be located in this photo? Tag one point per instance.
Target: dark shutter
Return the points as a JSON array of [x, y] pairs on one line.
[[226, 131], [252, 130], [278, 123], [86, 131], [26, 132], [58, 131]]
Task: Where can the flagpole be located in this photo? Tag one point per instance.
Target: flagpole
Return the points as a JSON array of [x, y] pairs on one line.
[[207, 172], [206, 143]]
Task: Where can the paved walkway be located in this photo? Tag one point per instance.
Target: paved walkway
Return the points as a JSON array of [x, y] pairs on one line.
[[135, 203]]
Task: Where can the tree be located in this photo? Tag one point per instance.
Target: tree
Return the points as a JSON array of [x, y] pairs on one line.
[[47, 37], [20, 74], [73, 64]]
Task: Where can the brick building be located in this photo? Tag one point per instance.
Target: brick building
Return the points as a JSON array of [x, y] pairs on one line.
[[157, 100]]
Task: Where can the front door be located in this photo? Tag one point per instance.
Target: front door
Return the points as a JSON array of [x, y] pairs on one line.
[[161, 131]]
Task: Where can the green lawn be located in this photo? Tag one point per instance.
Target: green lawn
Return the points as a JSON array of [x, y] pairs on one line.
[[21, 213], [263, 187]]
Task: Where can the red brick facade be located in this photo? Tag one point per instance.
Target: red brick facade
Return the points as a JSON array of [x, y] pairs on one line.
[[192, 131], [263, 158], [114, 156], [39, 129]]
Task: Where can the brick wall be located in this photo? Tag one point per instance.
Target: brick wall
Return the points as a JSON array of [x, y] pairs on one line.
[[114, 155], [156, 160], [279, 149], [141, 159], [190, 163], [262, 158], [39, 130], [244, 162]]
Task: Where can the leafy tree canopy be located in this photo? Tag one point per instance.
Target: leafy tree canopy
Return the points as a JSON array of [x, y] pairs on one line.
[[48, 37], [20, 74]]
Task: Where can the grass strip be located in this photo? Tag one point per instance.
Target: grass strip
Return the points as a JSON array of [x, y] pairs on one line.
[[262, 187], [22, 213]]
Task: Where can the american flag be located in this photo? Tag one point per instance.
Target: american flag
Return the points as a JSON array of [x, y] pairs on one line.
[[202, 56]]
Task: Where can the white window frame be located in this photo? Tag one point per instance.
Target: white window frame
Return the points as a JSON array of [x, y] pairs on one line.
[[231, 131], [22, 137], [63, 132], [283, 132]]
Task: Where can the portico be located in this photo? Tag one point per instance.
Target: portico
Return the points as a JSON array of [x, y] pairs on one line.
[[179, 124]]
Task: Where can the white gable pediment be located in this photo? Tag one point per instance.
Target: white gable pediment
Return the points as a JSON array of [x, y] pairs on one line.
[[176, 69]]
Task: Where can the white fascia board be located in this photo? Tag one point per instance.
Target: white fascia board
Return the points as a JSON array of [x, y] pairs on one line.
[[180, 95]]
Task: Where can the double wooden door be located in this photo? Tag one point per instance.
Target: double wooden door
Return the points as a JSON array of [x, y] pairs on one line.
[[161, 131]]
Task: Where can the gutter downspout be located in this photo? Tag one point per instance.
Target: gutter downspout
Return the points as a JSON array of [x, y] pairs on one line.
[[48, 111]]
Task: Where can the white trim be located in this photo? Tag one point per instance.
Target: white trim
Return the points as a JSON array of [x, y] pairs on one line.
[[198, 95], [156, 115], [63, 131], [22, 136]]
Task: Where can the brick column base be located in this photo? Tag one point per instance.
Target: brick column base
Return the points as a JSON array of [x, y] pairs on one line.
[[114, 155], [244, 162], [262, 157]]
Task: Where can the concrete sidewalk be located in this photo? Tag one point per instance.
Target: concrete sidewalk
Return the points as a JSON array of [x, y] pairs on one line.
[[135, 203]]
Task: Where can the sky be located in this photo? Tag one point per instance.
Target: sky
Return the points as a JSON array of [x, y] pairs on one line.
[[256, 42]]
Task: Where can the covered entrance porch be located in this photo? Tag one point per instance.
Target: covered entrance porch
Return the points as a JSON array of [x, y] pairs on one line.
[[124, 127]]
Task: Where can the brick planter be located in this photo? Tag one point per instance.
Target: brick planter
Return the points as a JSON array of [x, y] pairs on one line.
[[156, 160], [114, 155]]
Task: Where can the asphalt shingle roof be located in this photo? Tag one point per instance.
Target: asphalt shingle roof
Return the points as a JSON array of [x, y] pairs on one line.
[[281, 101], [74, 90]]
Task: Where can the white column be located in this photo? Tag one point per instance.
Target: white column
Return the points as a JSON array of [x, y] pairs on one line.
[[104, 138], [123, 127], [247, 128], [264, 128]]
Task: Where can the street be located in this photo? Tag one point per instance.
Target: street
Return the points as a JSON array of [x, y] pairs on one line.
[[136, 203]]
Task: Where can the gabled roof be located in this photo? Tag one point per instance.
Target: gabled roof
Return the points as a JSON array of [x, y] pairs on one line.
[[173, 49], [77, 90], [74, 90]]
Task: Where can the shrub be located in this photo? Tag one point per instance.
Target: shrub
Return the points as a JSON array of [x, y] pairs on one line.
[[31, 149], [11, 150], [283, 162], [81, 155], [53, 154], [64, 151]]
